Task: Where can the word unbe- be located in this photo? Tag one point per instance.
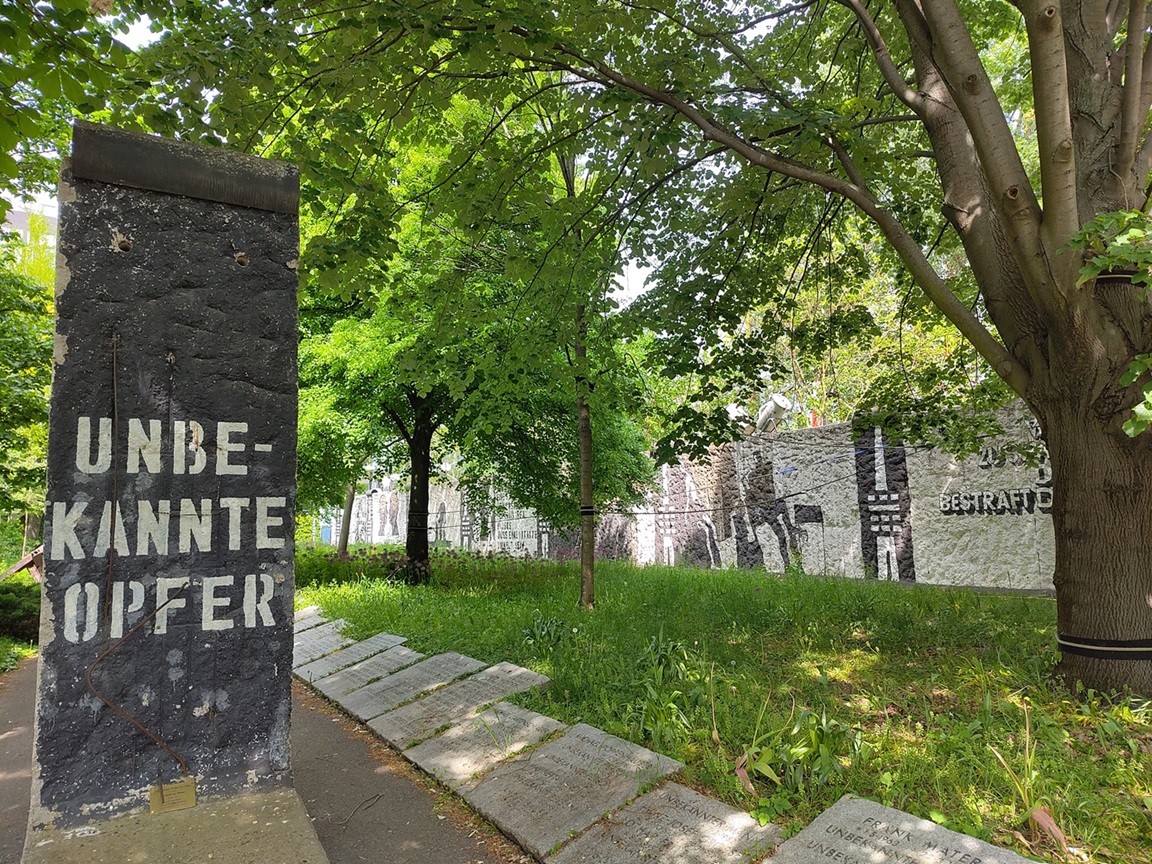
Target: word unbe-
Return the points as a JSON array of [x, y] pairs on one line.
[[144, 447], [82, 529], [219, 607]]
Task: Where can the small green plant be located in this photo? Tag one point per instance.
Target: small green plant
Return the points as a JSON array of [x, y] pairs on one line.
[[1119, 242], [805, 752], [544, 634], [1027, 784], [773, 808], [1025, 781], [657, 717]]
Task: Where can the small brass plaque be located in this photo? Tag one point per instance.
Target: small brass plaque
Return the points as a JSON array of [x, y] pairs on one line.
[[173, 796]]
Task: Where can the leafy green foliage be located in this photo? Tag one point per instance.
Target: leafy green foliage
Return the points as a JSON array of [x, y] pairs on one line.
[[25, 377], [20, 609], [1118, 244], [57, 59]]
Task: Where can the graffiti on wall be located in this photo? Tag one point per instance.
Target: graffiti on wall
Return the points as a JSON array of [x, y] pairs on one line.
[[828, 500], [885, 503]]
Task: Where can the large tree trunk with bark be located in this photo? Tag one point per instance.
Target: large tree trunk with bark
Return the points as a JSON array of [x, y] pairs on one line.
[[1102, 516], [416, 541]]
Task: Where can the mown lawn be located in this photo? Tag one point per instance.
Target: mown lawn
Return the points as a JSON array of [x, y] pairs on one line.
[[900, 694]]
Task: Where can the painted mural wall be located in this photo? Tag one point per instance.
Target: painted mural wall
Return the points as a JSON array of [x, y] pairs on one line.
[[822, 499]]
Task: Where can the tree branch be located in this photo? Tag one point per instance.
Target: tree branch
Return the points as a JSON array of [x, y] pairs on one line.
[[401, 427], [935, 287], [968, 84], [1131, 118], [1053, 121], [880, 51]]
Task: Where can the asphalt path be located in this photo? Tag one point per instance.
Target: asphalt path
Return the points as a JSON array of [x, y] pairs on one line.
[[369, 805]]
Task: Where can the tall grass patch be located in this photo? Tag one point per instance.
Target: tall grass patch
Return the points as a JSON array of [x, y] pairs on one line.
[[780, 694]]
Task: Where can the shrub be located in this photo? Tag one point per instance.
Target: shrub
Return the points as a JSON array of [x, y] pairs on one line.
[[20, 609]]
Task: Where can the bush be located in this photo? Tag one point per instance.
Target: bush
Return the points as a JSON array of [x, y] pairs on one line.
[[20, 609]]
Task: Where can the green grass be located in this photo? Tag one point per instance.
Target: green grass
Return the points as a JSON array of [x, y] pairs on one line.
[[829, 686]]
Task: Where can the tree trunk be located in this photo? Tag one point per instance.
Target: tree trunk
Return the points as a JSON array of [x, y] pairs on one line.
[[584, 435], [1102, 517], [33, 530], [416, 543], [346, 521]]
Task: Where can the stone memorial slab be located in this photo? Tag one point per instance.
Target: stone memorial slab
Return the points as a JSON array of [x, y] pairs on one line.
[[166, 631], [672, 824], [480, 743], [547, 795], [450, 705], [404, 686], [308, 618], [858, 831], [348, 656], [318, 642], [365, 672]]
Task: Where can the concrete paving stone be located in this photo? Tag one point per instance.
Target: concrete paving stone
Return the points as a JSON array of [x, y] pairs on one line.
[[308, 618], [480, 743], [365, 672], [414, 722], [318, 642], [672, 824], [348, 656], [856, 829], [547, 795], [393, 691]]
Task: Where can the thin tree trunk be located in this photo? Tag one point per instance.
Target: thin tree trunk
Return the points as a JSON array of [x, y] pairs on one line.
[[1102, 501], [416, 543], [346, 521], [584, 435], [33, 530]]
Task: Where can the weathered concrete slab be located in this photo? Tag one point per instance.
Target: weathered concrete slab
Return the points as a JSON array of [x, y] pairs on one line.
[[673, 825], [858, 830], [349, 656], [257, 828], [413, 723], [480, 743], [171, 471], [561, 788], [366, 671], [318, 642], [308, 618], [403, 686]]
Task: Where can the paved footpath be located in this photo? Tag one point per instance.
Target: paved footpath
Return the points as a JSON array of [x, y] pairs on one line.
[[565, 794], [369, 806]]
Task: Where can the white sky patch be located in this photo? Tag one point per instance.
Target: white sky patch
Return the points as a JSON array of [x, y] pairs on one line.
[[631, 284]]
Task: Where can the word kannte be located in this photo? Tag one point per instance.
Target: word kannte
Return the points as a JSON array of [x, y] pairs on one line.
[[164, 527]]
